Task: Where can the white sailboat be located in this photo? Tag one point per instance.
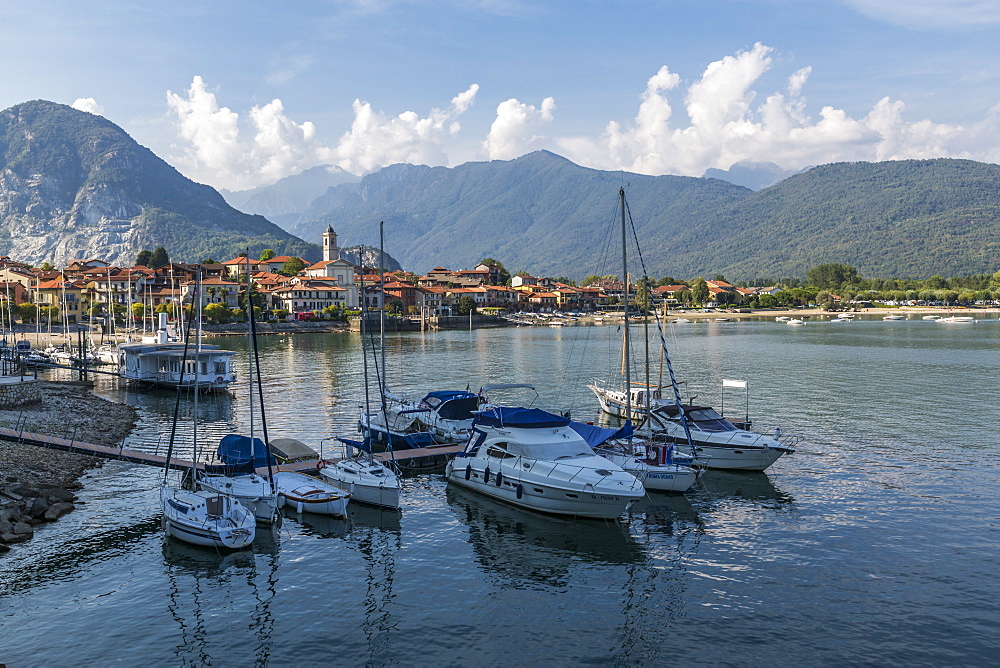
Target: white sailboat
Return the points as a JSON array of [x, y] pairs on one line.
[[241, 455], [358, 472], [635, 402], [202, 517]]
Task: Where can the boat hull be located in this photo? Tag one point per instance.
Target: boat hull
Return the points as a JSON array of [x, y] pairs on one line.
[[538, 495], [737, 458], [251, 490]]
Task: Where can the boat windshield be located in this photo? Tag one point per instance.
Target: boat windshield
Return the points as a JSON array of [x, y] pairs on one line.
[[707, 419], [553, 450]]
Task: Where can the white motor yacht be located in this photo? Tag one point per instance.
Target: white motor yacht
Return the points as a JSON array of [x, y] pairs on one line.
[[714, 437], [533, 459]]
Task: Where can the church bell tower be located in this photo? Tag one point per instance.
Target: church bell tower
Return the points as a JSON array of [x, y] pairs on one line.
[[331, 251]]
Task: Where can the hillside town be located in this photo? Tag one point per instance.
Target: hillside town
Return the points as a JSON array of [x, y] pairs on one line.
[[92, 287]]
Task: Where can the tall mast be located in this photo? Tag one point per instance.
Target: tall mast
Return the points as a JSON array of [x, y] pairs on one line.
[[250, 350], [364, 350], [625, 337], [197, 359], [381, 313]]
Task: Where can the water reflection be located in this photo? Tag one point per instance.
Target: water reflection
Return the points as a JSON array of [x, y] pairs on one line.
[[217, 598], [754, 486], [528, 549]]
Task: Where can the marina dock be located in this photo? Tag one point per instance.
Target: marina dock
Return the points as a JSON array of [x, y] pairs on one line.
[[138, 457]]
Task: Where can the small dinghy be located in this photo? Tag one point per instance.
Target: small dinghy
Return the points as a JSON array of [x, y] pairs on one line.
[[305, 494]]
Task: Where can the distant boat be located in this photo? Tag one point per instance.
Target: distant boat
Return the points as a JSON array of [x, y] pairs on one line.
[[931, 317], [894, 317], [957, 319], [795, 321], [782, 318]]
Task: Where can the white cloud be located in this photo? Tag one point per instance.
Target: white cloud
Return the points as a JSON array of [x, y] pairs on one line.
[[726, 126], [513, 133], [377, 139], [216, 151], [88, 104], [930, 14]]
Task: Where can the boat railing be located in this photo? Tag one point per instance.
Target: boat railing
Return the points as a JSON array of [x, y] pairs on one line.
[[527, 464]]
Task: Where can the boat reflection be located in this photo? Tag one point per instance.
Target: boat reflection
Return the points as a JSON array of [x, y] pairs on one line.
[[528, 549], [203, 581], [751, 486]]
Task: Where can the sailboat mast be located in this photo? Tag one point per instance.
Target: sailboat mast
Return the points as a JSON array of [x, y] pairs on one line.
[[251, 351], [197, 358], [381, 313], [364, 349], [625, 337]]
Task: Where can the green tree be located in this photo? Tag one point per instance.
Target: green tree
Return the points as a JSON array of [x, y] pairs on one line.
[[699, 291], [936, 283], [144, 258], [396, 306], [643, 297], [50, 313], [292, 267], [209, 260], [159, 258], [466, 304], [47, 266], [832, 276], [27, 312], [217, 313], [266, 254]]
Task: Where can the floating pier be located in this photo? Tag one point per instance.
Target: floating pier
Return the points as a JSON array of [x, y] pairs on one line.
[[138, 457]]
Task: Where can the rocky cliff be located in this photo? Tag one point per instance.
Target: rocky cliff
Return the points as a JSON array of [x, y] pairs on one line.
[[74, 185]]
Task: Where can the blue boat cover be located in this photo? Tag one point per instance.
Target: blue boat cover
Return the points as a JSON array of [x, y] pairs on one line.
[[235, 449], [595, 435], [448, 395], [513, 416]]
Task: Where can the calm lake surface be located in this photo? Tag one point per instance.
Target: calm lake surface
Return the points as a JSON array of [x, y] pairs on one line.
[[877, 542]]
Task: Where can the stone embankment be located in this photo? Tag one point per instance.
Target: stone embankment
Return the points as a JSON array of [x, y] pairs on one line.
[[37, 485]]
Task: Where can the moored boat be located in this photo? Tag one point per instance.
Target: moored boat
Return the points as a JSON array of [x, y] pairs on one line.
[[533, 459], [306, 494]]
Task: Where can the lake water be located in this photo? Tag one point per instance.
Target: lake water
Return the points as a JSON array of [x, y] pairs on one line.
[[877, 542]]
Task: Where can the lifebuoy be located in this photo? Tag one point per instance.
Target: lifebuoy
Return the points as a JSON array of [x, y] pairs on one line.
[[219, 379], [320, 464]]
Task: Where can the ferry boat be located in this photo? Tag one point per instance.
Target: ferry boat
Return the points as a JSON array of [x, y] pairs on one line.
[[159, 362]]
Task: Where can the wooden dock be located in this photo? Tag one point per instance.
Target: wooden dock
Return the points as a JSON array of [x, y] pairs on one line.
[[149, 459]]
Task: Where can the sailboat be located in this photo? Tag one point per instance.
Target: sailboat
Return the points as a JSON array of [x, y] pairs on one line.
[[358, 472], [202, 516], [660, 474], [241, 455]]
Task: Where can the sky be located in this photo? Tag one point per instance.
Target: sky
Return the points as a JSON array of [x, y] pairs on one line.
[[241, 94]]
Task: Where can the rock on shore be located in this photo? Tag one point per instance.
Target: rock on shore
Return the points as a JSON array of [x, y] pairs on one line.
[[37, 485]]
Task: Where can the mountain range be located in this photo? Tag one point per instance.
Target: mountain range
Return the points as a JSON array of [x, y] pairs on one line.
[[546, 215], [74, 185]]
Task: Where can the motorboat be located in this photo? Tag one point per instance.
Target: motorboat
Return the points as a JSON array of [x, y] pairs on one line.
[[237, 477], [931, 317], [443, 416], [795, 321], [366, 479], [894, 317], [654, 467], [206, 518], [614, 401], [682, 320], [306, 494], [109, 353], [533, 459], [726, 445], [782, 318], [957, 319]]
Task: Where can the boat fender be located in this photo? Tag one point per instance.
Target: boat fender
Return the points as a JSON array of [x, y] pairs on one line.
[[281, 501], [486, 475], [468, 472], [321, 464], [298, 507], [499, 478], [520, 490]]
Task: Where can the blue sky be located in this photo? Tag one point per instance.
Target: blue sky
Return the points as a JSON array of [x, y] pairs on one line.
[[238, 94]]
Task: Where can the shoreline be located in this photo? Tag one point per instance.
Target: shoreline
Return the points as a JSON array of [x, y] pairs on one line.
[[36, 484]]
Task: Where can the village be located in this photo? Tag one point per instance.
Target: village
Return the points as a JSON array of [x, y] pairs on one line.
[[329, 289]]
